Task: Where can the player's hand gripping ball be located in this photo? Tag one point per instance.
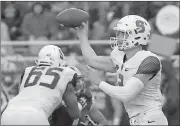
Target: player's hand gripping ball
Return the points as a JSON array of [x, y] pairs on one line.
[[72, 17]]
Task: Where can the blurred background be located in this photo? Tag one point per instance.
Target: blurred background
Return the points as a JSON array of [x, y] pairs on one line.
[[27, 26]]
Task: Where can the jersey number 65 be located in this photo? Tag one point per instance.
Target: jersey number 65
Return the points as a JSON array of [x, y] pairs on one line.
[[37, 71]]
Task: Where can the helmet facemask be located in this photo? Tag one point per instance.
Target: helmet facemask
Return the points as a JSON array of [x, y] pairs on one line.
[[48, 61], [122, 40]]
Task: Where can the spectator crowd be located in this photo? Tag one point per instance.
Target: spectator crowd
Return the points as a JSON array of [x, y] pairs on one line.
[[36, 20]]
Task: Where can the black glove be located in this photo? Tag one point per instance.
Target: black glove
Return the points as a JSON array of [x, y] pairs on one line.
[[84, 97]]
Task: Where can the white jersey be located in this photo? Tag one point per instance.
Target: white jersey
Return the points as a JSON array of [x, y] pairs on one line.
[[42, 88], [151, 95]]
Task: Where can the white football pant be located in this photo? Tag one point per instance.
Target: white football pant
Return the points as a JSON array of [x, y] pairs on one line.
[[155, 117], [23, 117]]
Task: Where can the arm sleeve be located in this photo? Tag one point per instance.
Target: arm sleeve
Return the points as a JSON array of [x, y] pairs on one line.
[[150, 65], [71, 102], [123, 93]]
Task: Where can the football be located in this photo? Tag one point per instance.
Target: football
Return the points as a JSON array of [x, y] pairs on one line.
[[72, 17]]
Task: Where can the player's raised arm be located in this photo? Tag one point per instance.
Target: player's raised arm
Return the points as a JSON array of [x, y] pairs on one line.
[[99, 62]]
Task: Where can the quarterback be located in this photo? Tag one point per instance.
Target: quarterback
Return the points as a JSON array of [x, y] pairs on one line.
[[41, 90], [141, 70]]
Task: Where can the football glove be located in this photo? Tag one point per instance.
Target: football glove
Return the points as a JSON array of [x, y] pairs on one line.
[[84, 97]]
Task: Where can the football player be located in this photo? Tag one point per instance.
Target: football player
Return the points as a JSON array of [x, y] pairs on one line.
[[90, 115], [42, 89], [141, 70]]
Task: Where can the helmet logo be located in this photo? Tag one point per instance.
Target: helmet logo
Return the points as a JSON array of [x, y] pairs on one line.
[[140, 25]]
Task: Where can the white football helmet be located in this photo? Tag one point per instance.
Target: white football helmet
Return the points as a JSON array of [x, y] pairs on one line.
[[51, 55], [131, 31]]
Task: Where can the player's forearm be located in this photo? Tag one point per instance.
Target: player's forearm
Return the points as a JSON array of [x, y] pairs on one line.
[[99, 62], [123, 93], [115, 91], [71, 102], [87, 50]]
